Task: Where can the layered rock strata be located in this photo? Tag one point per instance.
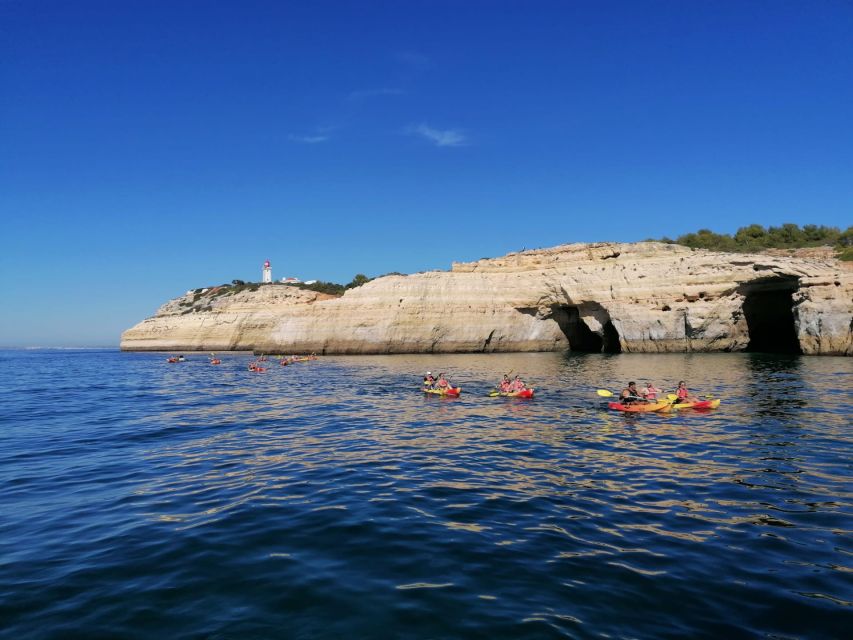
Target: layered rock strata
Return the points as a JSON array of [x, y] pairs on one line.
[[641, 297]]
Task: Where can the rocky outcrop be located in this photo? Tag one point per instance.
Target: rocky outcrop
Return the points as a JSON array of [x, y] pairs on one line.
[[642, 297]]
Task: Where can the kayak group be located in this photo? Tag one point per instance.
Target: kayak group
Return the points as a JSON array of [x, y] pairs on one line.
[[506, 388], [646, 399], [630, 399]]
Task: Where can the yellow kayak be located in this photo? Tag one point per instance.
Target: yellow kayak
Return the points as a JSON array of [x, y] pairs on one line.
[[452, 391], [701, 404]]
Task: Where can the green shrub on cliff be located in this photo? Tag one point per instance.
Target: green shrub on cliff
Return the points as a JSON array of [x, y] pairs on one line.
[[333, 288], [755, 237]]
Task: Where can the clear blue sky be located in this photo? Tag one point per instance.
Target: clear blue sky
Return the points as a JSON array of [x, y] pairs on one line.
[[147, 148]]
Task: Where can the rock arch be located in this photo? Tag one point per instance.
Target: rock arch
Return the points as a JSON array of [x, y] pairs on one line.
[[587, 327]]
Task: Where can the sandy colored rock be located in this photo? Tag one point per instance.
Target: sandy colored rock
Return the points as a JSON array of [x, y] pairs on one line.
[[641, 297]]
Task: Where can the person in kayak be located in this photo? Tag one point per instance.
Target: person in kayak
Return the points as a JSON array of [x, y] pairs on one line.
[[683, 395], [505, 385], [650, 392], [442, 383], [429, 380], [517, 384], [630, 394]]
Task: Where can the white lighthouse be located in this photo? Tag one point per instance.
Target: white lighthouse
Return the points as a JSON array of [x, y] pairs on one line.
[[267, 272]]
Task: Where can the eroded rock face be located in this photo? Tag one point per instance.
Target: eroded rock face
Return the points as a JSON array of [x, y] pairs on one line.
[[642, 297]]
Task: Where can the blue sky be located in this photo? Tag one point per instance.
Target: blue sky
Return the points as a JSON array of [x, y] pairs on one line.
[[147, 148]]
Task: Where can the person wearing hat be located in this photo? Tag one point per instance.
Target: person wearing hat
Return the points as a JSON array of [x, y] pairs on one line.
[[429, 380]]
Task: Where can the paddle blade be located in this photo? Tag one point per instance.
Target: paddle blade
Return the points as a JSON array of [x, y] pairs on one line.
[[604, 393], [671, 397]]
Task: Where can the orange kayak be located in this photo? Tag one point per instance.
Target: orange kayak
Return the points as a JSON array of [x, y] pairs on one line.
[[638, 407]]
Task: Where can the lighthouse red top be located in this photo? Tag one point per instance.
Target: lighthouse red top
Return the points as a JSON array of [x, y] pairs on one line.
[[266, 264]]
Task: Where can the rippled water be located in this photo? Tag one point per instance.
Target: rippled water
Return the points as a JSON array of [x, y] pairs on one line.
[[332, 500]]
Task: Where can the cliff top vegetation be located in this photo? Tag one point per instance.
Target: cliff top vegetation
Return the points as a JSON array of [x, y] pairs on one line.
[[755, 237]]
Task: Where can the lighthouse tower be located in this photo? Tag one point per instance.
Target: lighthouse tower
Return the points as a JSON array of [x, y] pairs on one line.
[[267, 271]]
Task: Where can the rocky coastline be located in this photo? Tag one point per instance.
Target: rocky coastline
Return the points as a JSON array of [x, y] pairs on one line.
[[645, 297]]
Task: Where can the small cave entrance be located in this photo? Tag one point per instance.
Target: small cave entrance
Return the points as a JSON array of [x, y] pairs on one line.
[[581, 337], [768, 307]]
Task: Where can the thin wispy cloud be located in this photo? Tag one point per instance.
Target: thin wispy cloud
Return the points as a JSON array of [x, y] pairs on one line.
[[439, 137], [307, 139], [363, 94]]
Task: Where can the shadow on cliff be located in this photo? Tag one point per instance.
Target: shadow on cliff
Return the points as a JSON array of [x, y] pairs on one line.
[[768, 307], [575, 321]]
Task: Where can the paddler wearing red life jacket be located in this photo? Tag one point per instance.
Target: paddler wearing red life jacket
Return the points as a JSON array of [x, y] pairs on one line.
[[683, 394], [505, 385], [442, 383], [517, 384], [650, 392]]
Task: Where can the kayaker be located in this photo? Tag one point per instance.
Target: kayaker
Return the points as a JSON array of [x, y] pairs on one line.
[[429, 380], [442, 383], [517, 384], [683, 395], [650, 392], [506, 385], [630, 394]]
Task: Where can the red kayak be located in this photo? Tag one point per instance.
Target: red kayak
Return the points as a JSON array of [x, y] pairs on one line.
[[452, 391], [524, 393]]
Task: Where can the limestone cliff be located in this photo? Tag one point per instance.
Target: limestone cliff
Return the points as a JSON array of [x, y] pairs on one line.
[[641, 297]]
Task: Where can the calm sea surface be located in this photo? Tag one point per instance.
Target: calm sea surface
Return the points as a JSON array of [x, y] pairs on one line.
[[333, 500]]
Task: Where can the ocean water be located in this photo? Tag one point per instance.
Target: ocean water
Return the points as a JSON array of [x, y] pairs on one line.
[[331, 499]]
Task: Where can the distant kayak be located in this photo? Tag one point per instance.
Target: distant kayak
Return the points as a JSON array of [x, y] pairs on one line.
[[173, 360], [216, 361], [524, 393], [453, 391], [638, 407]]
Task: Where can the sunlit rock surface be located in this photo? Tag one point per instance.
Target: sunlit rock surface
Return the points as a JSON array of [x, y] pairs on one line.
[[641, 297]]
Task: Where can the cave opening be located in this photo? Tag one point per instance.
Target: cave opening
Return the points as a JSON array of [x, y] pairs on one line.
[[581, 338], [768, 307]]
